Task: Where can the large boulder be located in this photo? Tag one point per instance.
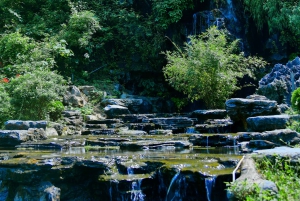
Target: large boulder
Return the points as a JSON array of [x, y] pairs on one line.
[[267, 123], [113, 111], [24, 125], [239, 109], [281, 81], [16, 137], [73, 97], [135, 106]]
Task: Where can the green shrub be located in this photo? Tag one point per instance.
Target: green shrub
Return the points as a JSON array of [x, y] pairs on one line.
[[32, 93], [55, 109], [209, 67], [296, 100]]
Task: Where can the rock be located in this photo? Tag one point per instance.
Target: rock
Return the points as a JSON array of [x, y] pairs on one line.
[[280, 136], [261, 144], [113, 111], [160, 132], [140, 145], [215, 126], [172, 123], [51, 132], [279, 84], [239, 109], [249, 177], [267, 123], [24, 125], [215, 140], [203, 115], [73, 97], [44, 191], [131, 132], [86, 90], [133, 105], [15, 137], [71, 113]]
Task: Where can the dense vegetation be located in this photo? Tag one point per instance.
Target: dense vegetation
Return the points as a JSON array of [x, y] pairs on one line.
[[108, 41]]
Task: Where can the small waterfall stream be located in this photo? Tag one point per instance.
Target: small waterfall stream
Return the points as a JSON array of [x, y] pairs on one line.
[[136, 191], [209, 184]]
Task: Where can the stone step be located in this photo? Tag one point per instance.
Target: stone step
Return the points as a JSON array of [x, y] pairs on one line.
[[99, 132]]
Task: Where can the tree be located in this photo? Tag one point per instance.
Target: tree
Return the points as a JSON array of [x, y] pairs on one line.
[[208, 68]]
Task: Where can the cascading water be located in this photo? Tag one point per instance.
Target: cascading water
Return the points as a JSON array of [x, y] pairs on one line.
[[136, 191], [209, 184], [190, 130], [177, 188]]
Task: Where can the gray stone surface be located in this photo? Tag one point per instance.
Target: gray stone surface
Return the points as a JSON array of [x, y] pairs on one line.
[[113, 111], [239, 109], [203, 115], [281, 81], [267, 123], [15, 137], [250, 175], [73, 97], [24, 125]]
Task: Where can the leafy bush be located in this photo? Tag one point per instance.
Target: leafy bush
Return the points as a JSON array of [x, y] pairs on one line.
[[32, 93], [55, 109], [296, 100], [208, 67], [5, 107]]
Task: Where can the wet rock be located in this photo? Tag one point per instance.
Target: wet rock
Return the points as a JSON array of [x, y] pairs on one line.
[[261, 144], [24, 125], [176, 124], [160, 132], [239, 109], [134, 118], [279, 136], [203, 115], [15, 137], [71, 113], [215, 126], [140, 145], [133, 105], [44, 191], [215, 140], [113, 111], [147, 127], [131, 132], [267, 123]]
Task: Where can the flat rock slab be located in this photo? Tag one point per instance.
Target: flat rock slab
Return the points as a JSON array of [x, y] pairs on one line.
[[24, 125], [15, 137], [203, 115], [267, 123], [293, 153]]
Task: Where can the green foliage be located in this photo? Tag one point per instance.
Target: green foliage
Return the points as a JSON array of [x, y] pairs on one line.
[[208, 68], [55, 108], [167, 12], [5, 107], [179, 102], [32, 93], [295, 100], [12, 45], [280, 17]]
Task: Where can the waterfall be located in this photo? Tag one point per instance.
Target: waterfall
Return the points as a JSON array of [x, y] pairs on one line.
[[136, 190], [190, 130], [177, 188], [206, 141], [209, 184]]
